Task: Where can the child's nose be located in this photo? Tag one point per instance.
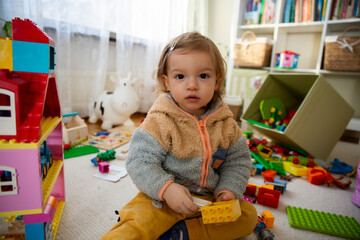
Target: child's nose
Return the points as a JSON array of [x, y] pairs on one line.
[[192, 83]]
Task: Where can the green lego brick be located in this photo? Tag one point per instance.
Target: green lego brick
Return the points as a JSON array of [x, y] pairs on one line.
[[328, 223], [80, 151]]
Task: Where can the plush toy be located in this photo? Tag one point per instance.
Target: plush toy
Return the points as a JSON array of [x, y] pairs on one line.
[[116, 108]]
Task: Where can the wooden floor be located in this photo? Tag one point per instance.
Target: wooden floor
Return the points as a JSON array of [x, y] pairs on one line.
[[95, 127]]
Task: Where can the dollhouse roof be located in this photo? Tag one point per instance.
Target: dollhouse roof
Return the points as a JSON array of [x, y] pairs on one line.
[[27, 96]]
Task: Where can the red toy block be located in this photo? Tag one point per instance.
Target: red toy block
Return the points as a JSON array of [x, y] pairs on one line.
[[27, 31], [250, 190], [269, 173], [317, 176], [269, 197]]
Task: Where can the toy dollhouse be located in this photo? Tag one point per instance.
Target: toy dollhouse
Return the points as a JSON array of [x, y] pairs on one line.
[[32, 190], [287, 59]]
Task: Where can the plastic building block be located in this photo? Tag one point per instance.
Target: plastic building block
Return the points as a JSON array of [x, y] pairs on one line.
[[272, 108], [277, 166], [80, 151], [281, 181], [260, 160], [28, 31], [328, 223], [259, 168], [309, 162], [268, 218], [260, 226], [47, 215], [295, 169], [104, 167], [250, 190], [30, 57], [277, 186], [269, 173], [317, 176], [6, 60], [30, 117], [269, 197], [340, 167], [218, 212]]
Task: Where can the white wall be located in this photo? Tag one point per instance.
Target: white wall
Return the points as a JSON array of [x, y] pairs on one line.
[[220, 19]]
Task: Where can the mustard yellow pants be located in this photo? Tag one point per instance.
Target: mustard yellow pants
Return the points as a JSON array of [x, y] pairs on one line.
[[142, 218]]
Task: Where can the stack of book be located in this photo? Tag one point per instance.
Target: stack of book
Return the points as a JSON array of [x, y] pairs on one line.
[[345, 9], [260, 12], [297, 11]]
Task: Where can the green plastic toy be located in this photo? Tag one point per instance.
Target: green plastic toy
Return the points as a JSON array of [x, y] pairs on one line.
[[328, 223]]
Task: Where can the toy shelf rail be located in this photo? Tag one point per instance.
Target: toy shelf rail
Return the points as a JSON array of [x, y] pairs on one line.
[[50, 179], [57, 217]]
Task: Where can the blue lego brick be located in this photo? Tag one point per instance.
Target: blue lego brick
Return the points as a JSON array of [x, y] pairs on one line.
[[31, 57], [35, 231], [328, 223]]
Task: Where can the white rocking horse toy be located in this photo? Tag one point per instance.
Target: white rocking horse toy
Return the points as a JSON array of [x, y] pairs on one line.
[[116, 108]]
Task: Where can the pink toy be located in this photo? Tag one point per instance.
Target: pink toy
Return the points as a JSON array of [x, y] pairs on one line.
[[116, 108], [356, 195], [287, 59], [104, 167], [30, 114]]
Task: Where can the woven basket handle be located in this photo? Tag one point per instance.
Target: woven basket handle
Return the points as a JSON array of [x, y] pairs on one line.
[[349, 28], [248, 33]]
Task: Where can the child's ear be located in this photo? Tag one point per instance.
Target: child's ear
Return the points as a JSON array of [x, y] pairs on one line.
[[166, 82], [218, 82]]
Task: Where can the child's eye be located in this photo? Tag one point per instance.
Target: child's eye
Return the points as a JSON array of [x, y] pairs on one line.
[[204, 76], [179, 76]]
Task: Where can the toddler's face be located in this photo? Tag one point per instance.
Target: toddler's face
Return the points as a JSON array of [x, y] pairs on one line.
[[191, 80]]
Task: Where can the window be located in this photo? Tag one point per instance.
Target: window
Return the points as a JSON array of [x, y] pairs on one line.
[[8, 181]]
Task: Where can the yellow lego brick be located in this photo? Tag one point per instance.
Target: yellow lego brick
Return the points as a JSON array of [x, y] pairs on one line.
[[217, 212], [6, 56], [268, 186], [295, 169], [268, 218], [50, 179], [57, 217]]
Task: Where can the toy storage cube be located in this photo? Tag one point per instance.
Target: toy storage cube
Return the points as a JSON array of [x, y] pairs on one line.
[[321, 113]]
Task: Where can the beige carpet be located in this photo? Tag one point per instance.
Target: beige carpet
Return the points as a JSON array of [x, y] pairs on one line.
[[90, 202]]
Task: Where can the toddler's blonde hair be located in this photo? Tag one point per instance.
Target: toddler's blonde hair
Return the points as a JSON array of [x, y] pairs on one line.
[[188, 42]]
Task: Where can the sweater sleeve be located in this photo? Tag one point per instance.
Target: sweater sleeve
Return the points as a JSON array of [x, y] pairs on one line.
[[235, 171], [144, 164]]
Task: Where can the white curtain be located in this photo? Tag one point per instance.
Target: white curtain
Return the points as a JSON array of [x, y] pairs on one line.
[[84, 54]]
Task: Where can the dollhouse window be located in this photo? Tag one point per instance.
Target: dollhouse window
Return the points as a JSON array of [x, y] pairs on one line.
[[8, 183], [7, 113]]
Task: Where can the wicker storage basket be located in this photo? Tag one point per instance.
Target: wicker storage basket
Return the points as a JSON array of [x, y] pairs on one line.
[[342, 53], [252, 52]]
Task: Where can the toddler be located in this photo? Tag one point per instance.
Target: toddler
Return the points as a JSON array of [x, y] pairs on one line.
[[188, 145]]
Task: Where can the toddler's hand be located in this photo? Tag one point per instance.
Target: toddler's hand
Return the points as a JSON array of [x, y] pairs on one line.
[[225, 196], [179, 199]]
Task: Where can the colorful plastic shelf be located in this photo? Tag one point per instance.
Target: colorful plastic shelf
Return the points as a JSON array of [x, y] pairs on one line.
[[328, 223]]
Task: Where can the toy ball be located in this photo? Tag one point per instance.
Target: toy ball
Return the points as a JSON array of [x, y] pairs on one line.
[[115, 108]]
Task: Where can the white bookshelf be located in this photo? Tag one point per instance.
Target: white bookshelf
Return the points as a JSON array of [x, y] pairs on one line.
[[307, 39]]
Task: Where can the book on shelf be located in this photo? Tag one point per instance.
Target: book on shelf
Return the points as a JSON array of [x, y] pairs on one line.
[[260, 11], [296, 11], [342, 9]]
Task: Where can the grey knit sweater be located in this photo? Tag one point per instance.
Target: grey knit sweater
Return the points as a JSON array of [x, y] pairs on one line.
[[206, 156]]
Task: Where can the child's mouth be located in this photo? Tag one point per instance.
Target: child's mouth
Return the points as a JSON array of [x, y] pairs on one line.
[[192, 98]]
